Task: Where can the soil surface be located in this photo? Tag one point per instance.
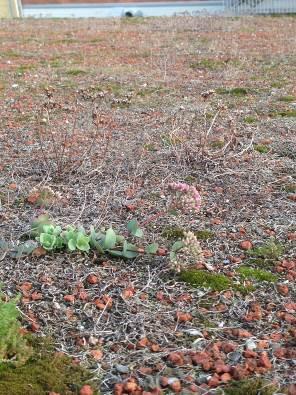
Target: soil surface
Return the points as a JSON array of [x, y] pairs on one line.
[[97, 118]]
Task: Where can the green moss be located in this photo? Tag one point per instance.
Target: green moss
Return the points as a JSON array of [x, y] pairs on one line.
[[217, 144], [209, 64], [256, 274], [13, 346], [263, 149], [172, 233], [75, 72], [204, 234], [290, 188], [287, 99], [249, 119], [284, 113], [233, 91], [42, 373], [170, 140], [202, 278], [190, 179], [270, 250], [261, 263], [214, 281], [21, 70], [278, 84], [150, 147], [250, 387]]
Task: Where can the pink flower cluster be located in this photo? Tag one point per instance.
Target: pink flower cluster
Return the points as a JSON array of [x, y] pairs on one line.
[[187, 196]]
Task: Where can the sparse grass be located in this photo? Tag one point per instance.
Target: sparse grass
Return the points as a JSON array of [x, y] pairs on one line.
[[270, 250], [250, 387], [21, 70], [287, 99], [256, 274]]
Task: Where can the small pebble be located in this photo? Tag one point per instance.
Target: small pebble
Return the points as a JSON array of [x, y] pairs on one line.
[[235, 356], [122, 368]]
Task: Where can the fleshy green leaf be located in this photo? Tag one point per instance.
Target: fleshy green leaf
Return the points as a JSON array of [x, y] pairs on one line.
[[25, 248], [130, 254], [129, 247], [110, 239], [134, 229], [72, 244], [48, 229], [82, 243], [177, 246], [151, 248], [4, 245], [47, 241], [115, 253]]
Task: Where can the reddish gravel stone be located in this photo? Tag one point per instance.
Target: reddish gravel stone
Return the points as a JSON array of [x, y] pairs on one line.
[[238, 372], [175, 385], [200, 357], [225, 377], [264, 361], [292, 389], [246, 245], [250, 354], [86, 390], [92, 279], [214, 381], [69, 298], [228, 347], [283, 289], [241, 333], [176, 358]]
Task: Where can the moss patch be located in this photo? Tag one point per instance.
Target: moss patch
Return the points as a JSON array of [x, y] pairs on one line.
[[290, 188], [249, 119], [75, 72], [214, 281], [42, 373], [256, 274], [233, 92], [261, 263], [270, 250], [201, 278], [204, 234], [173, 233], [287, 99], [209, 64], [250, 387], [263, 149], [284, 113]]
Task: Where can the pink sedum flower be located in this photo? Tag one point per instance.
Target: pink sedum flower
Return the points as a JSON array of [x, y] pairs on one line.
[[187, 197]]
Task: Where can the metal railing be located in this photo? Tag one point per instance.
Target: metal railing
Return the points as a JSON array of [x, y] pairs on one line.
[[247, 7]]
